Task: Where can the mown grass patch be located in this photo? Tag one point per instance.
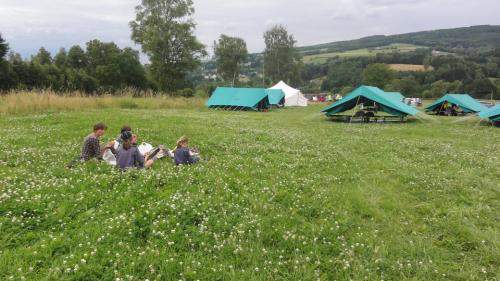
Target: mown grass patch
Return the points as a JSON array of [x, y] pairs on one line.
[[284, 195]]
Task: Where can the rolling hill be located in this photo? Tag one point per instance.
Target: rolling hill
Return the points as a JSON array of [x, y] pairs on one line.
[[364, 52], [451, 40]]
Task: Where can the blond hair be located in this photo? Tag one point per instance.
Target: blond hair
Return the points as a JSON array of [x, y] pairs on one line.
[[181, 141]]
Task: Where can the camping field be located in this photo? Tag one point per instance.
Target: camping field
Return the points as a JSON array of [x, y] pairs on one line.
[[284, 195]]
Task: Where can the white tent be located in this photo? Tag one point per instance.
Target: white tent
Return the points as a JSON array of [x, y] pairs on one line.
[[293, 97]]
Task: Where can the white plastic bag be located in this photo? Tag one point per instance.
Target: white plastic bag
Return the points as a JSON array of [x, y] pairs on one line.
[[116, 145], [109, 157], [145, 148]]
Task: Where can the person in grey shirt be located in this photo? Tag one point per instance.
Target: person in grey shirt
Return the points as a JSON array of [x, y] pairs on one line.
[[183, 155], [128, 156]]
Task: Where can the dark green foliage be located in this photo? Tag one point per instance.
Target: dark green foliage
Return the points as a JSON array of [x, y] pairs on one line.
[[438, 88], [378, 75], [7, 79], [103, 67], [77, 58], [187, 93], [43, 57], [230, 53], [4, 48], [483, 88], [407, 85], [344, 74], [282, 61], [60, 60], [165, 30]]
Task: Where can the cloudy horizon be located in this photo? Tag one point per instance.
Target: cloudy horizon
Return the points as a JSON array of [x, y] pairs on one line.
[[28, 25]]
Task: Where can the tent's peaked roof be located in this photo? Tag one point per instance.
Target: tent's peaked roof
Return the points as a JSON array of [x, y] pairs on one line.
[[491, 113], [387, 100], [464, 101], [275, 96], [286, 88], [241, 97], [397, 96]]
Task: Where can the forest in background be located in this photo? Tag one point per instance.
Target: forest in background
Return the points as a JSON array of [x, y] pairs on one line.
[[455, 60]]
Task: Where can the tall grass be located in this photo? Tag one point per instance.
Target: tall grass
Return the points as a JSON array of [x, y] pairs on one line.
[[21, 102]]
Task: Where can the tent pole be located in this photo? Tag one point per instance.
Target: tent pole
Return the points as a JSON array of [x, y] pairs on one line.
[[357, 103]]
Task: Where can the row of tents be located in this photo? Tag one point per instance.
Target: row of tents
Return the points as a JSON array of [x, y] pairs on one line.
[[257, 98], [374, 99], [371, 99]]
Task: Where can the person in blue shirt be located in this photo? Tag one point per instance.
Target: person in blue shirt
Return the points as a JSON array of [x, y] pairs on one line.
[[183, 155]]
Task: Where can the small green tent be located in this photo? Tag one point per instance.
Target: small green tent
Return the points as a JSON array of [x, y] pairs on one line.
[[467, 103], [491, 113], [276, 97], [366, 95], [239, 99]]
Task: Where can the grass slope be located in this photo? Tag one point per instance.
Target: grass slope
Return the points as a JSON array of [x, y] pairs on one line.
[[285, 195], [365, 52]]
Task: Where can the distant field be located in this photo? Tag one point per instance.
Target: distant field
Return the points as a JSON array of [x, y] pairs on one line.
[[283, 195], [322, 58], [410, 67]]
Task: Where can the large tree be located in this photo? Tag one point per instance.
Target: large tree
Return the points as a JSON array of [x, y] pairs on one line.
[[165, 31], [61, 58], [77, 57], [7, 80], [282, 61], [4, 48], [43, 57], [230, 54]]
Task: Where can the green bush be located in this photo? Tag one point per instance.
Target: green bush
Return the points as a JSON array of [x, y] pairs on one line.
[[187, 93]]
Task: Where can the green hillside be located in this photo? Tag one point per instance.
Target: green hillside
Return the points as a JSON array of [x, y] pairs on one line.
[[457, 39], [365, 52]]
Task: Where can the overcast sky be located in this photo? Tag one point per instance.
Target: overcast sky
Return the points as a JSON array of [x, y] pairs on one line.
[[29, 24]]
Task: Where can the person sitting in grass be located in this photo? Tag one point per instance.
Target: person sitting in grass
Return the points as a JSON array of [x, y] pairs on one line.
[[183, 155], [119, 140], [129, 156], [91, 146]]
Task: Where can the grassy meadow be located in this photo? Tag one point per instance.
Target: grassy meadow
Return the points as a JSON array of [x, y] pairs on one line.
[[365, 52], [284, 195]]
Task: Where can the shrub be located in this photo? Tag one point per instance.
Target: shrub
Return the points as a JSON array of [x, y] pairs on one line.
[[187, 93]]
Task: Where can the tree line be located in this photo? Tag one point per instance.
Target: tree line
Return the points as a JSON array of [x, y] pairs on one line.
[[165, 31], [177, 63], [476, 74]]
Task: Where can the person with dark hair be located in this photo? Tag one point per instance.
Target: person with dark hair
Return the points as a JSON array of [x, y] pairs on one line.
[[91, 146], [129, 156], [119, 140]]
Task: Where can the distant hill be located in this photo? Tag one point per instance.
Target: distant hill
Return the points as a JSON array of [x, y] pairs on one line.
[[484, 37]]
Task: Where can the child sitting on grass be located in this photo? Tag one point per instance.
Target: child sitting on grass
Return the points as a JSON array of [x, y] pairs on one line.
[[119, 140], [183, 155], [128, 156]]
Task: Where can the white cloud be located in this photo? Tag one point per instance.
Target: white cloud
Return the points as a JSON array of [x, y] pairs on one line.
[[30, 24]]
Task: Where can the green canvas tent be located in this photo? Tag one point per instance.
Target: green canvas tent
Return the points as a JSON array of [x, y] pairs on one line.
[[276, 97], [396, 96], [467, 103], [366, 95], [491, 113], [239, 99]]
